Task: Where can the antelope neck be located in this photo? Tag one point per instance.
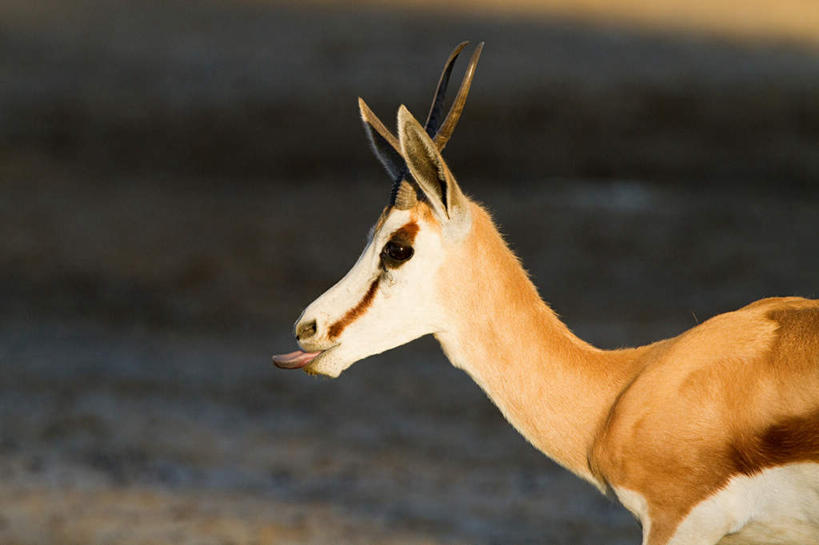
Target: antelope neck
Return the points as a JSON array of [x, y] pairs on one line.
[[556, 389]]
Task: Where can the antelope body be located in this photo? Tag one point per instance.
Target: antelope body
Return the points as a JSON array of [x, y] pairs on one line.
[[709, 437]]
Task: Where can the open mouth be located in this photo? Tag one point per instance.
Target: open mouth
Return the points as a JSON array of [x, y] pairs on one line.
[[297, 359], [294, 360]]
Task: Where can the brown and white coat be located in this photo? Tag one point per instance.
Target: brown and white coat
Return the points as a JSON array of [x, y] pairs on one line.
[[709, 437]]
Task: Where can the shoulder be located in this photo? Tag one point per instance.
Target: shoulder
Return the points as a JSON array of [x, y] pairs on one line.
[[735, 372]]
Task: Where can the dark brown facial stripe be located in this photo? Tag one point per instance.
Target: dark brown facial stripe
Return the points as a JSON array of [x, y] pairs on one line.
[[355, 312]]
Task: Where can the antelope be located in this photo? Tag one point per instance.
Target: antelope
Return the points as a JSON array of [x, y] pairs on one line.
[[708, 437]]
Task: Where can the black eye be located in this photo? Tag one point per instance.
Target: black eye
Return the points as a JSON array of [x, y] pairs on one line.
[[397, 251]]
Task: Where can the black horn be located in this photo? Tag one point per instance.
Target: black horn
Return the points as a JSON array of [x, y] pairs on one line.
[[386, 146]]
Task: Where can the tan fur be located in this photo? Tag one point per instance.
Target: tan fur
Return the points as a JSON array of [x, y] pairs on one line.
[[665, 426], [673, 421], [553, 387], [679, 429]]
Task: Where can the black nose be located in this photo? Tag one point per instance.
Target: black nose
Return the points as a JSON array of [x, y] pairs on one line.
[[305, 330]]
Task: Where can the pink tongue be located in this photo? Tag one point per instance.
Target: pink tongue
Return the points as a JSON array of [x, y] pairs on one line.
[[294, 360]]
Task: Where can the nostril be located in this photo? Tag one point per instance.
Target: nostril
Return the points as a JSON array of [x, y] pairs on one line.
[[306, 330]]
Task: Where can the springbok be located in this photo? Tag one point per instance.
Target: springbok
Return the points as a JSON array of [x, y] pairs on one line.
[[708, 437]]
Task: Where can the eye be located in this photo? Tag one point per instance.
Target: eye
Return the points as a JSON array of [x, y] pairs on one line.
[[395, 251]]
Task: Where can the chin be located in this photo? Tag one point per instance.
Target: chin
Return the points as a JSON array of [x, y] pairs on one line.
[[328, 364], [335, 360]]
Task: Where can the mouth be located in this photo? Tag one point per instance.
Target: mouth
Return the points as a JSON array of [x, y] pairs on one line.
[[294, 360], [299, 359]]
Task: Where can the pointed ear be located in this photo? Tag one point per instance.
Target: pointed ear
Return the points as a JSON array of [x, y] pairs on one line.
[[384, 145], [429, 169]]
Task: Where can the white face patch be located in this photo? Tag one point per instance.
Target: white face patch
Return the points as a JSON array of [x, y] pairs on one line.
[[379, 304]]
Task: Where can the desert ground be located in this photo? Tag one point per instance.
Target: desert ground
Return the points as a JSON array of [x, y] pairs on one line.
[[176, 184]]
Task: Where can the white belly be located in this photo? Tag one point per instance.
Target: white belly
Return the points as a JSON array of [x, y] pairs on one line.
[[775, 532], [779, 506]]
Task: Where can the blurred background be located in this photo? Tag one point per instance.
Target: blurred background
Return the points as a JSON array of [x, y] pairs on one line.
[[178, 180]]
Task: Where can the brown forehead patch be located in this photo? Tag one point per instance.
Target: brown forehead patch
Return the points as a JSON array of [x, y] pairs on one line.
[[406, 234], [420, 211], [356, 312], [424, 212]]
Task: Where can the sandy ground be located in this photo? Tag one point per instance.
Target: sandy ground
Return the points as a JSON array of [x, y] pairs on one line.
[[149, 439]]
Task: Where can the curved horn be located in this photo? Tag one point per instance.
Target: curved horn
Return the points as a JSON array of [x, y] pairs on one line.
[[442, 133], [445, 132], [388, 149], [433, 122]]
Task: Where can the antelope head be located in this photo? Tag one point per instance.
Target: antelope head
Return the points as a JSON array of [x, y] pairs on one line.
[[390, 296]]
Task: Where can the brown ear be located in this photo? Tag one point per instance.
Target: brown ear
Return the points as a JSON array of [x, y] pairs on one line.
[[429, 169]]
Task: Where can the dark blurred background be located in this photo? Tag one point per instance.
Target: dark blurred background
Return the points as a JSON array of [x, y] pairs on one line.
[[178, 180]]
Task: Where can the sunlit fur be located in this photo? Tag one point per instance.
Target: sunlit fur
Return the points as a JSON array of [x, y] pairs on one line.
[[671, 421], [667, 427], [400, 308]]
